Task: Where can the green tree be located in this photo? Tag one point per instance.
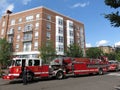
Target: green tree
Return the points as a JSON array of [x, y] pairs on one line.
[[113, 17], [5, 52], [74, 50], [118, 56], [94, 52], [111, 56], [47, 52]]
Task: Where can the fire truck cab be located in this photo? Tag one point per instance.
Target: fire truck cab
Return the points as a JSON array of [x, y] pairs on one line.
[[113, 65], [34, 67]]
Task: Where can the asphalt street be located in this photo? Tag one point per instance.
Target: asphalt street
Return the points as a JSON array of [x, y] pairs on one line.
[[109, 81]]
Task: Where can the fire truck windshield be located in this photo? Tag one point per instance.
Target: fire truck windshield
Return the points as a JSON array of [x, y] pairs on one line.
[[18, 62]]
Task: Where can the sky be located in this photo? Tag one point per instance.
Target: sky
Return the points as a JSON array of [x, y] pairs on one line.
[[98, 30]]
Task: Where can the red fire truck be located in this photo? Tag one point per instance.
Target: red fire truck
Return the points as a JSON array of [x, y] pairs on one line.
[[59, 67]]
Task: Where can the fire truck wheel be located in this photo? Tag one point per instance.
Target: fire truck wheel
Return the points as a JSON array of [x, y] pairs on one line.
[[101, 72], [29, 77], [116, 69], [59, 75]]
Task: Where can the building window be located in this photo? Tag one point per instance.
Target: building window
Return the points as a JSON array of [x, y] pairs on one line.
[[27, 36], [10, 39], [17, 46], [11, 31], [36, 35], [48, 25], [36, 45], [70, 25], [19, 28], [60, 30], [60, 48], [18, 37], [20, 20], [2, 32], [37, 25], [3, 24], [29, 18], [49, 17], [71, 41], [60, 39], [27, 46], [28, 27], [71, 33], [13, 22], [37, 16], [60, 21], [48, 35]]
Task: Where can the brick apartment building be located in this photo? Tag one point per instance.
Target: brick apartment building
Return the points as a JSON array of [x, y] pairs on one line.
[[30, 29]]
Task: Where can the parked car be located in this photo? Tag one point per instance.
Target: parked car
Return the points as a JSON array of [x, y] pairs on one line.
[[113, 65]]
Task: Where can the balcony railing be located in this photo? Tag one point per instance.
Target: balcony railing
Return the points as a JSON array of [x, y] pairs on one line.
[[10, 33], [30, 29]]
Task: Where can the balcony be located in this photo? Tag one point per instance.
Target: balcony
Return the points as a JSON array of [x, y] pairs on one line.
[[28, 29], [27, 39], [10, 32]]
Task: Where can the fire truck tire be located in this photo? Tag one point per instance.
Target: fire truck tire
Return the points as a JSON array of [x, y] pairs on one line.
[[29, 77], [100, 72], [59, 75], [116, 69]]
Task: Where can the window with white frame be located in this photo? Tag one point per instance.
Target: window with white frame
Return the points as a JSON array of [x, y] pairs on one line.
[[19, 20], [18, 37], [36, 35], [37, 25], [60, 39], [48, 25], [3, 24], [27, 46], [11, 31], [17, 46], [13, 22], [27, 36], [37, 16], [60, 21], [60, 30], [29, 18], [70, 25], [2, 32], [28, 27], [60, 48], [19, 28], [71, 33], [10, 39], [48, 35], [48, 17], [71, 41], [36, 45]]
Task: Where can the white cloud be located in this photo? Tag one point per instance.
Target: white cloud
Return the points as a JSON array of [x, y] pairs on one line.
[[117, 44], [4, 5], [10, 7], [25, 2], [88, 45], [80, 5], [102, 43]]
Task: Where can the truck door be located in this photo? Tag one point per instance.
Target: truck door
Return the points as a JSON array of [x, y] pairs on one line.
[[34, 66]]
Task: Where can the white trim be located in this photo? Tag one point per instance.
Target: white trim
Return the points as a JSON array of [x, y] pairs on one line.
[[13, 74], [86, 70], [47, 9], [26, 53], [41, 72]]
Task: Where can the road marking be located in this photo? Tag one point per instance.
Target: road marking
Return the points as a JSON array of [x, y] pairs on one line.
[[114, 74]]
